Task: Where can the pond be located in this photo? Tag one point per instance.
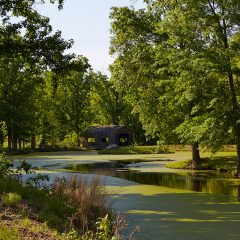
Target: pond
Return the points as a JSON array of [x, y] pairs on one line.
[[195, 181], [167, 205]]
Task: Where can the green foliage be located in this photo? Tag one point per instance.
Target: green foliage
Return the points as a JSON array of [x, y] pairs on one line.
[[220, 164], [11, 199], [5, 166], [24, 168], [73, 235], [185, 164], [69, 140], [111, 105], [37, 181], [74, 97], [178, 62], [28, 48], [50, 208], [8, 233], [104, 228], [161, 148]]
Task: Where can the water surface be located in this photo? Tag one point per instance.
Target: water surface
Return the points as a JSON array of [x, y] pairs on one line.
[[207, 182], [167, 205]]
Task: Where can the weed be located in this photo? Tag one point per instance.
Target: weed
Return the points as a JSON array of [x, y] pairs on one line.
[[8, 233], [11, 199], [5, 166], [88, 197], [104, 228], [38, 181]]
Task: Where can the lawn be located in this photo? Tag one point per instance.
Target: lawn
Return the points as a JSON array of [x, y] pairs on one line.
[[222, 162], [135, 150]]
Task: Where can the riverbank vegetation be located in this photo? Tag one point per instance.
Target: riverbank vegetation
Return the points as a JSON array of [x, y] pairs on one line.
[[136, 150], [219, 164], [70, 210], [77, 208]]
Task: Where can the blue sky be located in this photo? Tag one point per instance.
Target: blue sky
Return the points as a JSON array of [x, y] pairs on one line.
[[87, 23]]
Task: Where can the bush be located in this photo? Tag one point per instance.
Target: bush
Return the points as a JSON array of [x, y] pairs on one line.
[[88, 197], [11, 199], [5, 166], [161, 148], [104, 228]]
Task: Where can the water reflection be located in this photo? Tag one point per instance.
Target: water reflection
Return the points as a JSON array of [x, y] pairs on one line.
[[194, 181]]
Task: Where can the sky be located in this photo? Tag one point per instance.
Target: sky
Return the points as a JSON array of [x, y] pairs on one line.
[[87, 23]]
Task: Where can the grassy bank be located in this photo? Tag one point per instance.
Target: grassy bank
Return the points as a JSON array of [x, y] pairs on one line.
[[73, 209], [220, 164], [157, 149], [136, 150], [14, 226]]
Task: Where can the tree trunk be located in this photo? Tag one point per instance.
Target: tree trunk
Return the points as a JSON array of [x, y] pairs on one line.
[[78, 141], [235, 105], [236, 118], [195, 155], [1, 139], [15, 143], [9, 139], [20, 143], [238, 157], [33, 142]]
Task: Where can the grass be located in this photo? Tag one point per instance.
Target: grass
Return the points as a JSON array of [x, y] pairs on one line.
[[71, 207], [11, 199], [8, 233], [49, 208], [220, 164], [135, 150], [14, 226]]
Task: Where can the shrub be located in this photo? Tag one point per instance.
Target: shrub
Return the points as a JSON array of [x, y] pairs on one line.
[[161, 148], [88, 196], [104, 228], [11, 199], [5, 166]]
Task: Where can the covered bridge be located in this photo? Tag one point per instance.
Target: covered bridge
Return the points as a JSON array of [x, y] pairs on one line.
[[100, 137]]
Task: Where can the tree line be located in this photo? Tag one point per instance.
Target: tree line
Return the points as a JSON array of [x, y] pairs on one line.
[[46, 95], [174, 78]]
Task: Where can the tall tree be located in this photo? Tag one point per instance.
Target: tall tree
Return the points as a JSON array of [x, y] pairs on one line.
[[17, 86], [166, 56], [140, 71], [75, 89], [215, 27], [27, 48]]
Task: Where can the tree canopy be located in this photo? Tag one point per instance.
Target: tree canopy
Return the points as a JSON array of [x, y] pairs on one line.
[[179, 60]]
